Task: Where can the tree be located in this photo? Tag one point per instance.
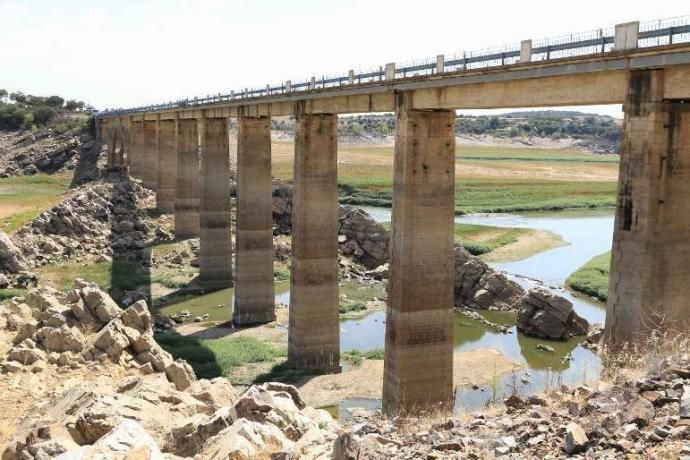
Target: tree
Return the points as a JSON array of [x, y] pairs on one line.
[[54, 101], [43, 114], [3, 93], [71, 105], [18, 97]]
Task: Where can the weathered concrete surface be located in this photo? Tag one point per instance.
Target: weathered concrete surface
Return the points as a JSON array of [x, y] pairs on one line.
[[418, 372], [188, 188], [150, 173], [136, 152], [649, 285], [167, 166], [215, 248], [314, 332], [254, 294]]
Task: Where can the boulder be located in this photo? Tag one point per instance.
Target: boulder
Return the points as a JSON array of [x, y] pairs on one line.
[[368, 238], [127, 440], [11, 257], [575, 439], [545, 315], [478, 286], [181, 374], [247, 440]]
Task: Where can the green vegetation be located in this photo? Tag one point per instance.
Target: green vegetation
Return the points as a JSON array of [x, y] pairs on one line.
[[355, 357], [9, 293], [593, 277], [351, 307], [22, 198], [27, 112], [107, 275], [482, 239], [281, 273], [218, 357]]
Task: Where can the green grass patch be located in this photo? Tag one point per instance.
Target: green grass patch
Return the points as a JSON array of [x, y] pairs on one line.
[[218, 357], [22, 198], [351, 307], [281, 273], [9, 293], [107, 275], [355, 357], [593, 277]]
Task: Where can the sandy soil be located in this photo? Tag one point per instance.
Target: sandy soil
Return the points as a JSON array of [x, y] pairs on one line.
[[527, 245], [476, 367]]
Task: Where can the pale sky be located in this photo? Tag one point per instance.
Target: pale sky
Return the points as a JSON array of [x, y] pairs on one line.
[[121, 53]]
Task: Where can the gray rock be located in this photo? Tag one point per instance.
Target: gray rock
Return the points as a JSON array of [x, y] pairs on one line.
[[575, 439], [181, 374], [546, 315], [11, 258]]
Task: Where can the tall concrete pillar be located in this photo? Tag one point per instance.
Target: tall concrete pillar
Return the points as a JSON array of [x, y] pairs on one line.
[[254, 294], [188, 188], [649, 286], [150, 173], [111, 139], [167, 166], [418, 367], [215, 265], [136, 152], [314, 332]]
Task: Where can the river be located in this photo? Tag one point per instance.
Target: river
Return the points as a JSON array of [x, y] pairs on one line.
[[589, 233]]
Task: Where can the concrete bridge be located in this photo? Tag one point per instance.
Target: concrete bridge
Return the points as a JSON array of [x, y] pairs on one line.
[[181, 150]]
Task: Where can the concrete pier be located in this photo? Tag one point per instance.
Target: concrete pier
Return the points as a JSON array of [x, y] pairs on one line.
[[188, 188], [215, 247], [150, 173], [167, 166], [649, 286], [136, 153], [314, 332], [418, 369], [254, 293]]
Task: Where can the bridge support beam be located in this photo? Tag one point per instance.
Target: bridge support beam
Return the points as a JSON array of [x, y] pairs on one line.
[[136, 152], [150, 174], [188, 187], [215, 247], [648, 286], [254, 293], [418, 368], [110, 137], [314, 332], [167, 166]]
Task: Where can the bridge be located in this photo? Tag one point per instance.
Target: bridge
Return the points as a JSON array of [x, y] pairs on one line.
[[181, 150]]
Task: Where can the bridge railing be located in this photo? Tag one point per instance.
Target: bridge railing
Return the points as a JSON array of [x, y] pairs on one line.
[[623, 36]]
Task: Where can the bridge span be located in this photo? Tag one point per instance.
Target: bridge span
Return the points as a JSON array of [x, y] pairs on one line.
[[181, 150]]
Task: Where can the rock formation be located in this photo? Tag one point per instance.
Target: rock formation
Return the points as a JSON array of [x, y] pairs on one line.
[[479, 286], [546, 315]]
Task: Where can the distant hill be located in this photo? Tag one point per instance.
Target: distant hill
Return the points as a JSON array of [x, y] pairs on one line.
[[586, 131]]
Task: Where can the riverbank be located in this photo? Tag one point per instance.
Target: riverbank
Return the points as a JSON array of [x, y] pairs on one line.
[[488, 179], [592, 279]]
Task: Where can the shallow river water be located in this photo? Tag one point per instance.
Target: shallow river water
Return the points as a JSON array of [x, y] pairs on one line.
[[589, 233]]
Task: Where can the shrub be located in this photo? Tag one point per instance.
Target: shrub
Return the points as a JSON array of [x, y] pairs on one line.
[[43, 114]]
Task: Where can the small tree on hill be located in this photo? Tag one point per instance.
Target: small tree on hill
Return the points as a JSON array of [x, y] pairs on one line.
[[55, 101], [43, 114]]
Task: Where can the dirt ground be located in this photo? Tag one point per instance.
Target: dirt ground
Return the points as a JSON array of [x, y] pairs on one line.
[[476, 367]]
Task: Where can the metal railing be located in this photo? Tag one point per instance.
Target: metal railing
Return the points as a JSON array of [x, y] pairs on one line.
[[646, 34]]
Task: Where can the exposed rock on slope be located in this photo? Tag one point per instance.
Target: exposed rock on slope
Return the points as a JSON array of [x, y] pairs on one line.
[[25, 152], [364, 239], [543, 314], [101, 218]]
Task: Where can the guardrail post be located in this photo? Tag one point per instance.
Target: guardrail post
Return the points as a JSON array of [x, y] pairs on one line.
[[440, 63], [390, 71], [351, 77], [526, 51], [626, 36]]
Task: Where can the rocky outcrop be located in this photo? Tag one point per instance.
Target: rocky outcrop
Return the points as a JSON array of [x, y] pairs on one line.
[[103, 219], [546, 315], [618, 421], [479, 286], [363, 238], [11, 257], [84, 326], [42, 152]]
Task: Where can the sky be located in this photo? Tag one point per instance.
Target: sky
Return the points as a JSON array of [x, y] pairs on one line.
[[123, 53]]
